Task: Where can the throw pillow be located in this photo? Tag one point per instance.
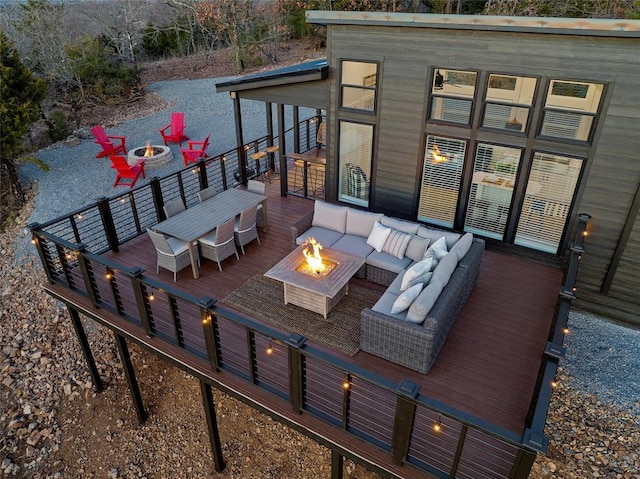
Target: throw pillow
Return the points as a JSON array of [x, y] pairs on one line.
[[462, 246], [378, 236], [418, 269], [423, 278], [396, 243], [416, 248], [403, 301], [422, 305], [329, 216], [439, 248]]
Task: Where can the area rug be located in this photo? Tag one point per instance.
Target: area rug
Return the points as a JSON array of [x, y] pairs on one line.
[[263, 299]]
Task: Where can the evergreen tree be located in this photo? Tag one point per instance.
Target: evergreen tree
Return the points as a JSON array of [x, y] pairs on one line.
[[20, 97]]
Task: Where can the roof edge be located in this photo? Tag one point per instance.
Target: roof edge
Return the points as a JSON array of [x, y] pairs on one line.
[[611, 27]]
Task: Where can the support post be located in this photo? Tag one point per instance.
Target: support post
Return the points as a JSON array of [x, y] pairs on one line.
[[130, 375], [86, 349], [522, 465], [108, 224], [208, 327], [212, 426], [158, 201], [242, 154], [283, 151], [337, 464], [296, 380], [403, 420]]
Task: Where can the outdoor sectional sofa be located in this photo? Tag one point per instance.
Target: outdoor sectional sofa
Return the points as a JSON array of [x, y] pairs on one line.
[[444, 264]]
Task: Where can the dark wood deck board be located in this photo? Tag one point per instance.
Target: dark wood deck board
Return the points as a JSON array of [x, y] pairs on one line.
[[490, 361]]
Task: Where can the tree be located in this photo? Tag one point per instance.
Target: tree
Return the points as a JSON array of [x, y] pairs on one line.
[[20, 97]]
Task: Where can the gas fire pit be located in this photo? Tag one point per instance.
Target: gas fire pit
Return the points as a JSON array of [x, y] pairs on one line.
[[155, 156]]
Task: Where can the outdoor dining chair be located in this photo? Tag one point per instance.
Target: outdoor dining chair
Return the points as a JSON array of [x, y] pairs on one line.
[[174, 207], [172, 253], [219, 244], [207, 193], [245, 229], [195, 150], [176, 129], [127, 174], [257, 187], [111, 145]]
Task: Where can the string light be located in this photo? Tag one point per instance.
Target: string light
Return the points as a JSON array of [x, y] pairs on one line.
[[566, 330], [152, 296], [437, 427], [270, 348], [554, 384], [108, 275], [346, 384]]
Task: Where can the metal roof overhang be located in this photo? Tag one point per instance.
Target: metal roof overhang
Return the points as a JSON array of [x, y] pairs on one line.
[[303, 72]]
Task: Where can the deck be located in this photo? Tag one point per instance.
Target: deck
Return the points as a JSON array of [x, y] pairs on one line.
[[489, 364], [487, 369]]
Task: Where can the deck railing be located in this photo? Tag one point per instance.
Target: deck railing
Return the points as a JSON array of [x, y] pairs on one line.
[[395, 417]]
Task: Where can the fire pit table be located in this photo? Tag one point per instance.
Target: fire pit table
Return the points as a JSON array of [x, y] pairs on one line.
[[316, 291], [155, 156]]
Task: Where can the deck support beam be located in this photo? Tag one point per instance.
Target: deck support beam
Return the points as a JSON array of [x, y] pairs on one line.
[[130, 375], [337, 463], [522, 465], [86, 349], [403, 421], [212, 426]]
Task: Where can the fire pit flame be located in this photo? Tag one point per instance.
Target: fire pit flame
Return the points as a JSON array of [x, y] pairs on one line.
[[148, 152], [311, 249]]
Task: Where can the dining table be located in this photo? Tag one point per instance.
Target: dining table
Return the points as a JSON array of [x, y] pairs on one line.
[[202, 218]]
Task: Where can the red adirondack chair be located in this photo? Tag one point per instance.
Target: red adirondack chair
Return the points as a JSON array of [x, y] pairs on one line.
[[195, 151], [108, 146], [126, 171], [177, 126]]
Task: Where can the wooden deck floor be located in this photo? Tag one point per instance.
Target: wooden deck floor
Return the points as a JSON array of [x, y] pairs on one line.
[[489, 363]]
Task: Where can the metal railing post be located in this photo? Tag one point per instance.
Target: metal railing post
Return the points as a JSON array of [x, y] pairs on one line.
[[403, 419], [296, 371], [210, 339], [109, 226]]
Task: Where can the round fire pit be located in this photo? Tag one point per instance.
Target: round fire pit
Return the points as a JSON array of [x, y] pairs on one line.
[[160, 157]]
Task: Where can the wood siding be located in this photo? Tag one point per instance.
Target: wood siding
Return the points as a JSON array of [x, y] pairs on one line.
[[407, 56]]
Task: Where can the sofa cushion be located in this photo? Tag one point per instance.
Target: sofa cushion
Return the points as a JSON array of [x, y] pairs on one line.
[[394, 287], [439, 249], [435, 234], [396, 224], [462, 245], [396, 243], [416, 247], [332, 217], [403, 301], [421, 306], [378, 236], [322, 235], [417, 270], [384, 304], [446, 267], [388, 262], [353, 245], [360, 222]]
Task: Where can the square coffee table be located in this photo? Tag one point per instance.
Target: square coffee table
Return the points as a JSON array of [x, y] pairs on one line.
[[316, 292]]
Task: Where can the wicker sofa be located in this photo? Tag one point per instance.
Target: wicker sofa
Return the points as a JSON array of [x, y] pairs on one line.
[[413, 337]]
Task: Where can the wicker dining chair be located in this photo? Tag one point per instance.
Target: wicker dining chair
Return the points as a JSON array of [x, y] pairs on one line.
[[207, 193], [173, 254], [257, 187], [245, 229], [219, 244], [174, 207]]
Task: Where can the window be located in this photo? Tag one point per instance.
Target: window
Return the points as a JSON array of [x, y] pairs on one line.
[[452, 94], [552, 183], [358, 85], [570, 109], [442, 171], [356, 149], [508, 102], [494, 177]]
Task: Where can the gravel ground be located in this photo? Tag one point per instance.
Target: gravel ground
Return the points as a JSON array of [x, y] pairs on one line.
[[55, 426]]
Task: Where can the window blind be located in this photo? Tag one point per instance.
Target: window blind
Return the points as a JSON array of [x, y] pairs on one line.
[[356, 148]]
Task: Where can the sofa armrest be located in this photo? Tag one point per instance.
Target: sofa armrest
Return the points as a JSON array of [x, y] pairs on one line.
[[401, 342], [299, 227]]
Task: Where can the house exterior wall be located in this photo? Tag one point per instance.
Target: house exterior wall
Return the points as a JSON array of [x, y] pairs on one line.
[[611, 172]]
